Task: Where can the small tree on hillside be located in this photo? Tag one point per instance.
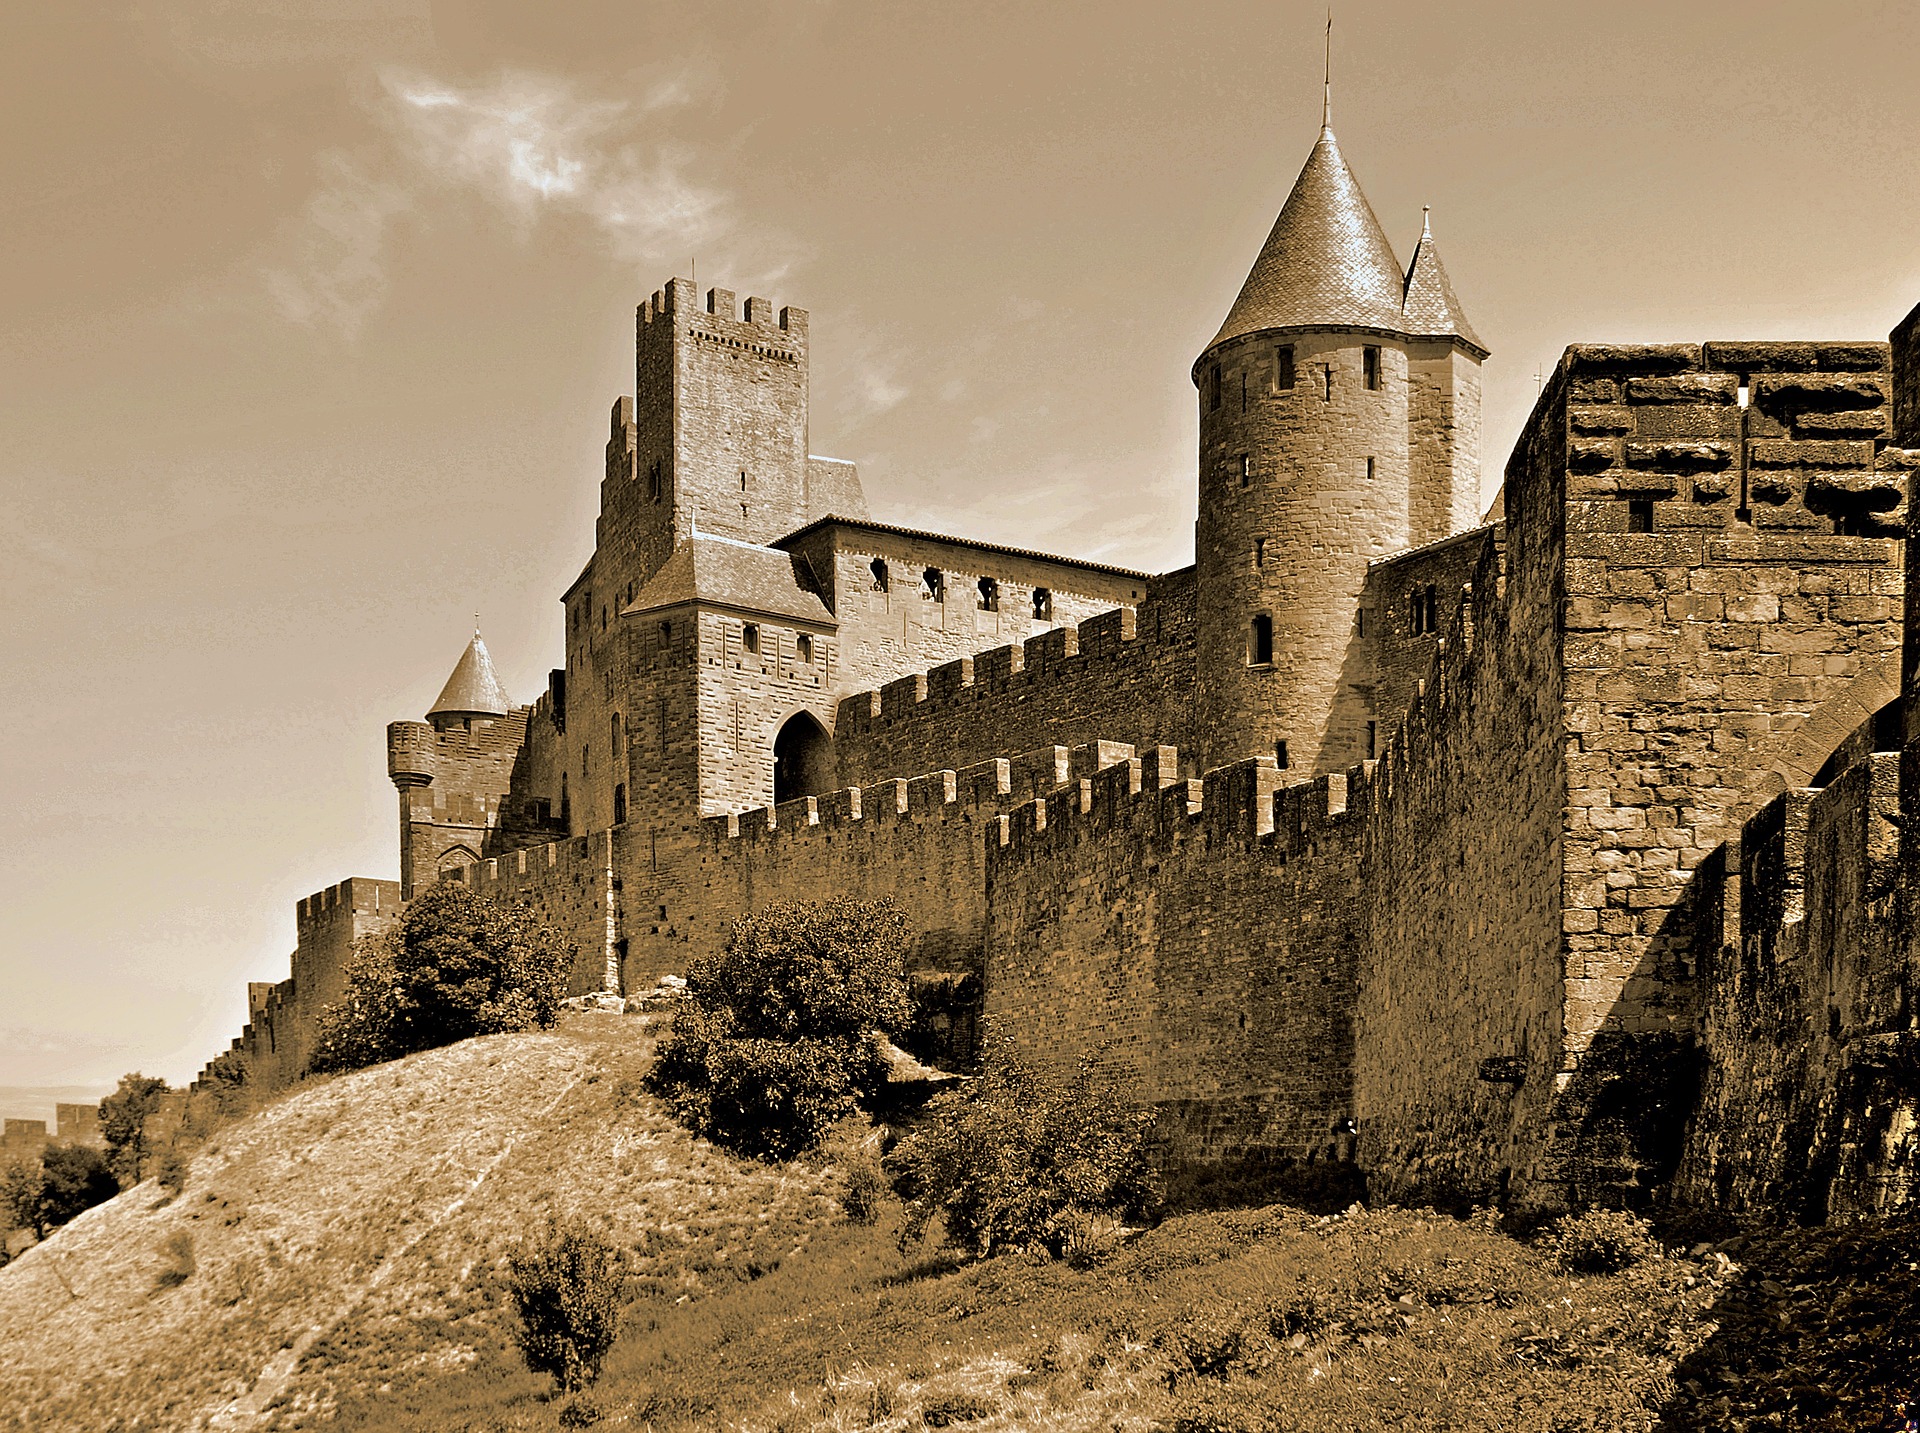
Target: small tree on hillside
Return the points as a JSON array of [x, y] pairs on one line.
[[566, 1289], [454, 966], [128, 1120], [781, 1033], [74, 1178], [22, 1185], [1017, 1157]]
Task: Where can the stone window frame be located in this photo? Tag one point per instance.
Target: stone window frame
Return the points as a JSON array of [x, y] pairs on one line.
[[1370, 367], [803, 647], [933, 585], [750, 638], [882, 575], [987, 594], [1260, 640], [1285, 371], [1043, 604]]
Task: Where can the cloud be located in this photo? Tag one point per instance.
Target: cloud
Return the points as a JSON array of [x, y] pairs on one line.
[[530, 145]]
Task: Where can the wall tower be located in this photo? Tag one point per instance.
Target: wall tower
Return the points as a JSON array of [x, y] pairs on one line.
[[1339, 423]]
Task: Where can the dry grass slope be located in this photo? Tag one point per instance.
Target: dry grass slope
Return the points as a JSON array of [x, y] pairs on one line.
[[349, 1238]]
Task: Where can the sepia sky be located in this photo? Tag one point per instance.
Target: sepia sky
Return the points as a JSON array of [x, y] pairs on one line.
[[311, 312]]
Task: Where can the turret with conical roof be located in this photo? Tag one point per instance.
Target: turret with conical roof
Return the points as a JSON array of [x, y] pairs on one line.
[[1339, 423], [473, 693]]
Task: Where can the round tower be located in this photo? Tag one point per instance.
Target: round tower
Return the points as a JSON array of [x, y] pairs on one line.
[[1317, 456]]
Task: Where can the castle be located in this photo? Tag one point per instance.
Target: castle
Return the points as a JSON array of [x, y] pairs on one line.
[[1554, 858]]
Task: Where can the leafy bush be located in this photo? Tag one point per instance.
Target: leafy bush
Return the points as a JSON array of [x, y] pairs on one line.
[[1601, 1241], [455, 965], [127, 1117], [865, 1188], [1005, 1157], [566, 1289], [74, 1178], [780, 1034]]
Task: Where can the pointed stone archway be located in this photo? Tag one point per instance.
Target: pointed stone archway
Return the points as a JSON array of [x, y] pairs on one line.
[[803, 763]]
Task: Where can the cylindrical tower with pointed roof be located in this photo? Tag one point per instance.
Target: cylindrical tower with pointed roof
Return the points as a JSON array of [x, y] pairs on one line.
[[1332, 415]]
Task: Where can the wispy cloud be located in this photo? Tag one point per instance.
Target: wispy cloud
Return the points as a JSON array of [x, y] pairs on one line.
[[532, 146]]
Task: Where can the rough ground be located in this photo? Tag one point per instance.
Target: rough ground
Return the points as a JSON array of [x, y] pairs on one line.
[[335, 1262]]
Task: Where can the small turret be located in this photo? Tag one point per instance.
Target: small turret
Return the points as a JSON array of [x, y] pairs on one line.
[[473, 693]]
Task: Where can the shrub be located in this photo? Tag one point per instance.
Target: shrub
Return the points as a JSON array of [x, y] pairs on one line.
[[454, 966], [74, 1178], [1601, 1241], [566, 1289], [22, 1187], [864, 1188], [179, 1264], [780, 1034], [125, 1119], [1005, 1157]]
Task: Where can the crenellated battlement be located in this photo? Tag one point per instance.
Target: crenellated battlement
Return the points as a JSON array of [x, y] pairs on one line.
[[357, 895], [761, 329]]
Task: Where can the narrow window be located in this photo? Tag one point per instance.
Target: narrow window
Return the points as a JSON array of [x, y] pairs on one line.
[[1326, 374], [566, 808], [666, 634], [933, 585], [1283, 366], [1640, 515], [653, 480], [613, 734], [750, 639], [586, 758], [1370, 364], [1042, 604], [803, 644], [743, 481], [1369, 469], [1372, 741], [1432, 620], [620, 804], [1213, 388], [1259, 552], [989, 598], [1280, 754], [1245, 466], [879, 571], [660, 722], [1260, 642], [1243, 390], [1360, 622], [603, 618]]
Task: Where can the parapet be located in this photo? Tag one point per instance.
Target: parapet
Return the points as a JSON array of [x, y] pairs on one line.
[[714, 316], [357, 895], [1775, 437]]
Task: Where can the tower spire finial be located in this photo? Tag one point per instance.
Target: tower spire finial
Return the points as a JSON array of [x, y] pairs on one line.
[[1326, 93]]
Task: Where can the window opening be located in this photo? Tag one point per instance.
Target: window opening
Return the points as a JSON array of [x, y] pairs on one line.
[[1369, 469], [933, 585], [1372, 741], [1245, 466], [1042, 604], [620, 804], [750, 638], [1259, 552], [879, 571], [743, 481], [803, 644], [1243, 390], [1213, 388], [586, 758], [1283, 366], [989, 598], [1360, 622], [1640, 515], [1280, 754], [653, 480], [1370, 365], [1260, 645], [666, 633], [1326, 375]]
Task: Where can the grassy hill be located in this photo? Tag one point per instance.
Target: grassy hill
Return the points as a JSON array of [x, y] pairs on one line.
[[336, 1261]]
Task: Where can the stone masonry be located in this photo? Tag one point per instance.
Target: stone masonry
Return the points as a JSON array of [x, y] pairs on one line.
[[1558, 858]]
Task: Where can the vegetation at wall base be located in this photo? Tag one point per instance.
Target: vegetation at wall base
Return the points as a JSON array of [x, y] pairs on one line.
[[779, 1035], [455, 965]]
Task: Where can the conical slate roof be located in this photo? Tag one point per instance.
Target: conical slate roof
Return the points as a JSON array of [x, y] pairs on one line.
[[1432, 309], [1327, 263], [473, 689]]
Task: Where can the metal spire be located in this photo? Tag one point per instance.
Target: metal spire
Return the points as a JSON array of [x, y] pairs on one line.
[[1326, 94]]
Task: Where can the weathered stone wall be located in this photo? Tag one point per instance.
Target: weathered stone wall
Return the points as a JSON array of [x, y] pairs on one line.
[[1408, 605], [1807, 1006], [1124, 676], [1193, 941], [570, 886], [454, 789], [1300, 487]]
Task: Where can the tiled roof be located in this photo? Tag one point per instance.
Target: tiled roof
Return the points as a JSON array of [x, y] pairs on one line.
[[1432, 309], [720, 572], [473, 689], [1327, 262]]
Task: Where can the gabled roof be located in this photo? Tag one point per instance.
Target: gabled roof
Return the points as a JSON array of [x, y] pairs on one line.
[[1327, 263], [720, 572], [1432, 309], [473, 689]]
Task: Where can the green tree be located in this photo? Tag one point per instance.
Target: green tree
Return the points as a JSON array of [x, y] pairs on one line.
[[127, 1117], [74, 1178], [455, 965], [1017, 1157], [22, 1185], [781, 1033], [566, 1289]]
